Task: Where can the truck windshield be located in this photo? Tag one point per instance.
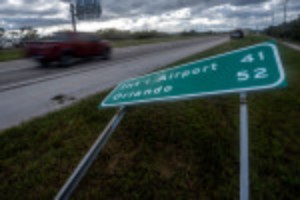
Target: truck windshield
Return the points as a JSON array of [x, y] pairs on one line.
[[58, 37]]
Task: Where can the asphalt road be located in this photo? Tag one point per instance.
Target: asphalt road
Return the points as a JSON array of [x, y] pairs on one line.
[[21, 72], [27, 90], [292, 45]]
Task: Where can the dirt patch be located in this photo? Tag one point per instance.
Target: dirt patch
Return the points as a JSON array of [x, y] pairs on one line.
[[62, 98]]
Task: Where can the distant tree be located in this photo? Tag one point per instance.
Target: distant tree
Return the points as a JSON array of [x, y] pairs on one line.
[[24, 30], [189, 33], [115, 34], [290, 30], [28, 33], [31, 35], [2, 31], [14, 34]]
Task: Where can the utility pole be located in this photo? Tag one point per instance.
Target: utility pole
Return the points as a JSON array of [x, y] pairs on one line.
[[284, 18], [73, 15], [273, 18], [284, 10], [272, 15]]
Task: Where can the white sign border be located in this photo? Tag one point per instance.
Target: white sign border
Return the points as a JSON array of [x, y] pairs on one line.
[[201, 94]]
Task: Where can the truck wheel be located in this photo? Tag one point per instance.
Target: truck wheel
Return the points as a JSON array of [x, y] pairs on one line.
[[66, 59], [43, 63], [106, 55]]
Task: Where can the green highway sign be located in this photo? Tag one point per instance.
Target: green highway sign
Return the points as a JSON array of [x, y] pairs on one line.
[[252, 68], [88, 9]]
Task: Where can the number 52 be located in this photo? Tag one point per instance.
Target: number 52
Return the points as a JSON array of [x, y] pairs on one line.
[[258, 73]]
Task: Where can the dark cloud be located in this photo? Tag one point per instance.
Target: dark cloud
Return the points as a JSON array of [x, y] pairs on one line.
[[50, 12], [115, 8], [246, 2], [34, 22], [34, 13], [259, 14], [23, 13]]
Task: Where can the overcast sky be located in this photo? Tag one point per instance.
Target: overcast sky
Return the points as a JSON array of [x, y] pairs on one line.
[[162, 15]]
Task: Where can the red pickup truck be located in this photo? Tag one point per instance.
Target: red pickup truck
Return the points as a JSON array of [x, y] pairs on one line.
[[63, 47]]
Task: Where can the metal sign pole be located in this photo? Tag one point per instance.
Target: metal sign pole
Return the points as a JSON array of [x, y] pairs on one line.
[[68, 188], [72, 10], [244, 157]]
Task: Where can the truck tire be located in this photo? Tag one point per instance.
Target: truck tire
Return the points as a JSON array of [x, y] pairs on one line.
[[43, 63], [66, 59], [106, 55]]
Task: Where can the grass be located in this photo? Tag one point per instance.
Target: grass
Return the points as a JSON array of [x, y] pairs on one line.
[[182, 150], [297, 42], [11, 54]]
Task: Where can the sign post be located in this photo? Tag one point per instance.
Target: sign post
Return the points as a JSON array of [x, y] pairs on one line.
[[244, 148], [84, 10], [72, 11], [72, 182]]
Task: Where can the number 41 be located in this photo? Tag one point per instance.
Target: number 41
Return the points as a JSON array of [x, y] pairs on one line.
[[250, 58]]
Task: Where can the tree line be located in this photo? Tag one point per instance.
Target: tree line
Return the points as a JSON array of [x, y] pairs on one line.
[[116, 34], [290, 30], [25, 32]]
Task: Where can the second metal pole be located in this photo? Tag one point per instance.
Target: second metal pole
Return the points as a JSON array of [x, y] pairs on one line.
[[68, 188], [244, 148]]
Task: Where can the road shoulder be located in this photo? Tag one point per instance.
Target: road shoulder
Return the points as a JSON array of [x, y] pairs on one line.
[[292, 45]]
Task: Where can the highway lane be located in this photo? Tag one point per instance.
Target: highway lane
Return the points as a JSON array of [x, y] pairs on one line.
[[292, 45], [26, 101], [13, 74]]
